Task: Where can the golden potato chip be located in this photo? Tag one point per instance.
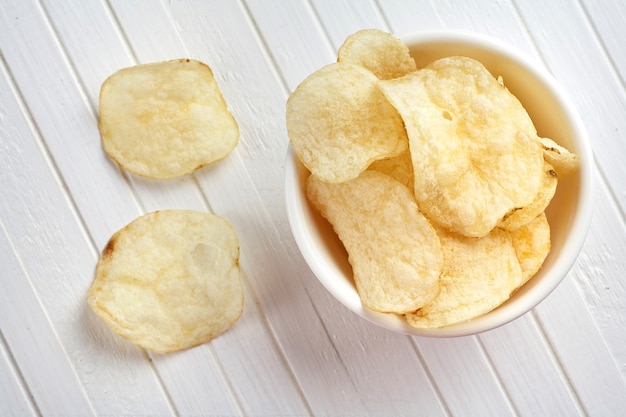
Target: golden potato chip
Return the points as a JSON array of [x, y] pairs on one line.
[[169, 280], [478, 275], [394, 251], [165, 119], [378, 51], [339, 122], [400, 168], [532, 245], [522, 216], [473, 146], [563, 161]]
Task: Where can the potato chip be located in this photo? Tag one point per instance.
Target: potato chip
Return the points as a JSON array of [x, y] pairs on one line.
[[378, 51], [165, 119], [394, 251], [478, 275], [400, 168], [169, 280], [339, 122], [473, 146], [563, 161], [532, 245], [522, 216]]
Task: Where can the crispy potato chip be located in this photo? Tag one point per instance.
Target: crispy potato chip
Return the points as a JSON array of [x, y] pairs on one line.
[[400, 168], [478, 275], [339, 122], [532, 245], [169, 280], [165, 119], [474, 148], [394, 251], [563, 161], [378, 51], [525, 215]]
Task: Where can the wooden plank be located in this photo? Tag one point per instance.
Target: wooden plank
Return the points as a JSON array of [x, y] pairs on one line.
[[332, 15], [599, 273], [493, 18], [34, 345], [586, 360], [524, 361], [464, 376], [607, 18], [16, 400]]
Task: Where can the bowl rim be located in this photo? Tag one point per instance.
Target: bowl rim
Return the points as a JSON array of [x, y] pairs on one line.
[[508, 311]]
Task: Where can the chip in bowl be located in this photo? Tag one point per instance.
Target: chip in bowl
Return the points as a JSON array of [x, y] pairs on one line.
[[378, 51], [473, 146], [338, 122], [393, 249]]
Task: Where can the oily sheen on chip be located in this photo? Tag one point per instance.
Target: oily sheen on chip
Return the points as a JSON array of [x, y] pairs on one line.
[[165, 119], [169, 280]]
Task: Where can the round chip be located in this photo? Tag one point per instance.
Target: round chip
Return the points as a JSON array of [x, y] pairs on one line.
[[165, 119], [473, 146], [393, 249], [169, 280], [478, 275], [339, 122], [378, 51]]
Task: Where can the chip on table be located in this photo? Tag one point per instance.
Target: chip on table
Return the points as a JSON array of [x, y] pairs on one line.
[[169, 280], [165, 119]]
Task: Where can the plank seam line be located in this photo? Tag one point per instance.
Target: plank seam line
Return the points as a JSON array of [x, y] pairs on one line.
[[602, 46], [383, 16], [265, 49], [5, 345], [431, 377], [227, 382], [318, 20], [541, 332], [496, 375], [117, 26]]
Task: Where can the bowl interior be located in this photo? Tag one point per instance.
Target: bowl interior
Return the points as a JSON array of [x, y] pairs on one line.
[[568, 214]]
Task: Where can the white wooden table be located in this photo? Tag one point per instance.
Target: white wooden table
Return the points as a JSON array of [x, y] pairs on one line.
[[295, 351]]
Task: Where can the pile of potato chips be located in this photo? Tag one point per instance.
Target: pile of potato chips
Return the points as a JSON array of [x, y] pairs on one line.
[[434, 179]]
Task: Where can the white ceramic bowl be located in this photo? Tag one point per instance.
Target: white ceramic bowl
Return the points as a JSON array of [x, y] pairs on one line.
[[569, 213]]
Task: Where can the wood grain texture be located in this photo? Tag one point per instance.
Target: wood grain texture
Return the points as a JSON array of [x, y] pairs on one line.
[[296, 351]]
